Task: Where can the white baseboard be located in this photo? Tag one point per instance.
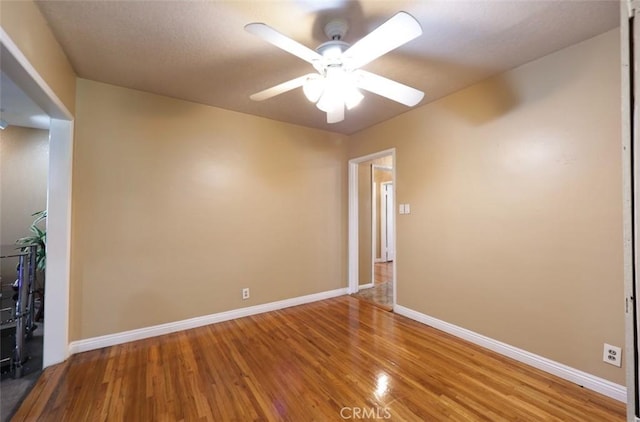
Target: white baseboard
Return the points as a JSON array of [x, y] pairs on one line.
[[365, 286], [592, 382], [171, 327]]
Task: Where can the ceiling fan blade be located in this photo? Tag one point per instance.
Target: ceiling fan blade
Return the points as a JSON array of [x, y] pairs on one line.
[[387, 88], [399, 29], [280, 88], [274, 37], [336, 114]]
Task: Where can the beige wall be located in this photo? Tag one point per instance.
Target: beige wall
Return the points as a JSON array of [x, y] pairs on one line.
[[24, 162], [28, 29], [515, 189], [178, 206]]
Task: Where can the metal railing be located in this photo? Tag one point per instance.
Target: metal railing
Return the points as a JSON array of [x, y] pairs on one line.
[[22, 315]]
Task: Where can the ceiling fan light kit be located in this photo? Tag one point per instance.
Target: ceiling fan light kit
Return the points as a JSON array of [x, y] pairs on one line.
[[339, 79]]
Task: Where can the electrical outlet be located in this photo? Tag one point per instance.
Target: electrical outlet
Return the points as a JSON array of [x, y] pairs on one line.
[[245, 293], [612, 355]]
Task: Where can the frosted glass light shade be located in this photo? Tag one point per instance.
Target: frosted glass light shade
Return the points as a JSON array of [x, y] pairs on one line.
[[352, 97], [313, 88], [332, 91], [330, 100]]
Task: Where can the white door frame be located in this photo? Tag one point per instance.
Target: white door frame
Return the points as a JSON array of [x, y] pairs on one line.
[[56, 310], [630, 161], [353, 217]]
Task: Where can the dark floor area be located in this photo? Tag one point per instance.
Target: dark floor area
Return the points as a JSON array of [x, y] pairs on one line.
[[13, 391]]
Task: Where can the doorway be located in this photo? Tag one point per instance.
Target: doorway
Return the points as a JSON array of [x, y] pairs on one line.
[[24, 158], [56, 310], [372, 255]]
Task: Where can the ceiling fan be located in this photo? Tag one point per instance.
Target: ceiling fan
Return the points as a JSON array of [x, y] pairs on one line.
[[339, 77]]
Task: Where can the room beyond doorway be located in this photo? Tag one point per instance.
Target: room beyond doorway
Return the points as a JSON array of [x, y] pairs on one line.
[[372, 228]]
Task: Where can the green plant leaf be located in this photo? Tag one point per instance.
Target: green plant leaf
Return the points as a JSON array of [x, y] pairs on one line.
[[38, 238]]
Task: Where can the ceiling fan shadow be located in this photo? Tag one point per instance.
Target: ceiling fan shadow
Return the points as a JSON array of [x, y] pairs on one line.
[[483, 102], [351, 11], [439, 78], [499, 94]]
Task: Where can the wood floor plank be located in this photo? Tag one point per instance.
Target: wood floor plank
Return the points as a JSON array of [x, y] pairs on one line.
[[41, 393], [331, 360]]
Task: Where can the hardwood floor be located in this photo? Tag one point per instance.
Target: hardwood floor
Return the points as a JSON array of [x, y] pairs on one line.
[[383, 272], [326, 361], [381, 294]]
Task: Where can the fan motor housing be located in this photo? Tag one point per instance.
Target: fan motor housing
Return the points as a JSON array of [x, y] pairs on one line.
[[332, 48]]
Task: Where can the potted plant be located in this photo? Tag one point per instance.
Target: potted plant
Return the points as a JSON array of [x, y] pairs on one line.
[[38, 237]]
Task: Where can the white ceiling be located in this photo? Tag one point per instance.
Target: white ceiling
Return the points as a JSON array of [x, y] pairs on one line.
[[198, 51]]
